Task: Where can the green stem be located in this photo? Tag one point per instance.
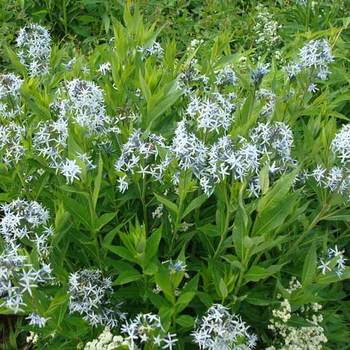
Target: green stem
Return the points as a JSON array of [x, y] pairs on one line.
[[144, 206], [226, 228], [245, 263]]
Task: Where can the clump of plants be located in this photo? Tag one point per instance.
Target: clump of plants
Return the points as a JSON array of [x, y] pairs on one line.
[[162, 198]]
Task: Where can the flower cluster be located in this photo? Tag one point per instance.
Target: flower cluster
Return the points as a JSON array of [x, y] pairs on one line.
[[294, 284], [33, 42], [212, 113], [10, 85], [107, 341], [23, 229], [11, 146], [269, 99], [140, 155], [154, 50], [90, 296], [341, 144], [267, 38], [191, 77], [291, 337], [147, 329], [36, 320], [335, 260], [25, 220], [219, 329], [225, 76], [269, 144], [336, 178], [85, 104], [258, 73], [50, 140], [189, 151], [315, 58]]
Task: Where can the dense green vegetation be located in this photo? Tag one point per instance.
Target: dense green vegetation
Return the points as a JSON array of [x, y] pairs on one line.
[[174, 174]]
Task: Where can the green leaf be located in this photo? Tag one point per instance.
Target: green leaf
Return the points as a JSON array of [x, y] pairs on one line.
[[144, 87], [108, 239], [192, 285], [184, 300], [168, 204], [257, 273], [127, 275], [274, 216], [264, 179], [78, 211], [15, 60], [223, 289], [195, 203], [104, 220], [162, 278], [161, 107], [122, 252], [97, 183], [152, 244], [166, 314], [210, 230], [277, 193], [185, 321], [309, 267]]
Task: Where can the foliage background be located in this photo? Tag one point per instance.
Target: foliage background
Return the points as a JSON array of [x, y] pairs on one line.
[[117, 234]]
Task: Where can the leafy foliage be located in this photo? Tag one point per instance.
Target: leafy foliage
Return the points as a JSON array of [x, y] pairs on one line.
[[185, 164]]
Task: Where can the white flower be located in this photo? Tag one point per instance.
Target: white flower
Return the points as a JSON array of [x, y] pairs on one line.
[[85, 104], [23, 221], [318, 174], [188, 149], [33, 42], [37, 320], [90, 296], [316, 54], [11, 138], [122, 184], [177, 266], [170, 340], [259, 72], [324, 266], [104, 68], [312, 88], [225, 75], [310, 336], [219, 329], [293, 69], [50, 139], [212, 113], [266, 32], [341, 144], [70, 170], [270, 100], [10, 85], [155, 49], [86, 159]]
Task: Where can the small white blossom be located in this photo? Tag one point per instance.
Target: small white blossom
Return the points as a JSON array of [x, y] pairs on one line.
[[105, 68], [37, 320], [70, 170]]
